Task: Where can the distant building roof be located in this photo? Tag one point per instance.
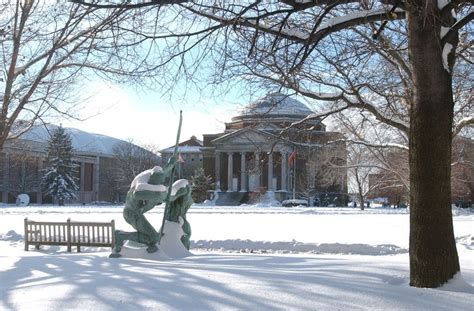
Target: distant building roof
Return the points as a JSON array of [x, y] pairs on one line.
[[274, 105], [192, 145], [82, 142]]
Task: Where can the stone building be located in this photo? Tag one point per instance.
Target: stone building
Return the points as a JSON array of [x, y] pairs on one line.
[[22, 161], [251, 157], [189, 157]]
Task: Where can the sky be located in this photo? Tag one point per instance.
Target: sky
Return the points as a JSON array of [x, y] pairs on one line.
[[148, 118]]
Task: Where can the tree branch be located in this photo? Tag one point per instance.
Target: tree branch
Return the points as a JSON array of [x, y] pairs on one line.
[[469, 121], [127, 4]]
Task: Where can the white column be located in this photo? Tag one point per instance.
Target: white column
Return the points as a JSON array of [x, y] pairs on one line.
[[284, 170], [243, 173], [270, 172], [230, 170], [257, 169], [218, 171]]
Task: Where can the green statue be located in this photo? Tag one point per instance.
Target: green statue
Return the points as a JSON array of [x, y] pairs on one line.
[[146, 191], [179, 205]]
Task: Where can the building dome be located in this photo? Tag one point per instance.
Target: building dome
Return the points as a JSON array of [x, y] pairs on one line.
[[274, 105]]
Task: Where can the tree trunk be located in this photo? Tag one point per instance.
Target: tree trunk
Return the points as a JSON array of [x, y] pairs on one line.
[[359, 188], [433, 255], [361, 200]]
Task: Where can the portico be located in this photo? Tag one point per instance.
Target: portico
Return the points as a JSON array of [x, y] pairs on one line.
[[250, 158], [245, 171]]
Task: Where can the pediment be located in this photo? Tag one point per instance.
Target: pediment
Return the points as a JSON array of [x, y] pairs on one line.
[[249, 139], [267, 126]]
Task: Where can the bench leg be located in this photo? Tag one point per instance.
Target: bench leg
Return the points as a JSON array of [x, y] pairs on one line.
[[37, 246], [78, 248]]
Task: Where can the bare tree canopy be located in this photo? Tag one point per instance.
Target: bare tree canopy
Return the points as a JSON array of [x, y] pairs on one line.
[[323, 50], [49, 51], [392, 60]]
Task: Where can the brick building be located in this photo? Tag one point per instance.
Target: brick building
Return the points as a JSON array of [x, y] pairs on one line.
[[189, 157], [22, 161]]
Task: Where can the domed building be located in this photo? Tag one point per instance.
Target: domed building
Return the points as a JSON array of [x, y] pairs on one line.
[[265, 149]]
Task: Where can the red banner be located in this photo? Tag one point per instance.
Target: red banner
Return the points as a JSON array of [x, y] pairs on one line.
[[292, 158]]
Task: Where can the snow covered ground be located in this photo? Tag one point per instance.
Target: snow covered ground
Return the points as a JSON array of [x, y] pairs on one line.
[[245, 258]]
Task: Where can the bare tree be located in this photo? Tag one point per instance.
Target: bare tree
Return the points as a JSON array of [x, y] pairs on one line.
[[323, 177], [23, 170], [130, 161], [360, 166], [377, 156], [300, 45], [48, 51]]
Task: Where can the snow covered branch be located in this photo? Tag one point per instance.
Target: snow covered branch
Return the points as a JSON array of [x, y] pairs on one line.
[[350, 103], [452, 32], [125, 4], [368, 144], [468, 121]]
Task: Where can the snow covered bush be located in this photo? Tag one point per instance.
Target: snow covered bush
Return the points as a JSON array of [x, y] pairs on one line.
[[200, 184]]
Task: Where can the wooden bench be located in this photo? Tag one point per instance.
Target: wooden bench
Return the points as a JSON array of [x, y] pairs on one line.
[[69, 233]]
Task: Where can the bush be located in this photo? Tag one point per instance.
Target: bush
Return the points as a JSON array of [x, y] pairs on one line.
[[200, 184]]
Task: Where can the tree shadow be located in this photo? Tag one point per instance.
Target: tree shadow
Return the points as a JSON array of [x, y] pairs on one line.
[[212, 281]]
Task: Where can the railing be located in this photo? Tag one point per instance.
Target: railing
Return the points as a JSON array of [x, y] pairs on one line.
[[69, 233]]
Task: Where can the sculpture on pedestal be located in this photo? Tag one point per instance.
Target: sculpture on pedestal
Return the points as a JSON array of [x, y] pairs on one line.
[[148, 190]]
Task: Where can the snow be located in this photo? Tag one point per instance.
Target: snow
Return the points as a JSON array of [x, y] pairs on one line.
[[170, 243], [242, 258], [457, 284], [442, 3], [170, 246], [275, 104], [443, 31], [148, 187], [140, 182], [178, 184], [335, 21], [183, 149], [82, 141], [446, 50]]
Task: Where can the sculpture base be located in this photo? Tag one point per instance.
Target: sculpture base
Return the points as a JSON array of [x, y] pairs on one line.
[[170, 246]]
